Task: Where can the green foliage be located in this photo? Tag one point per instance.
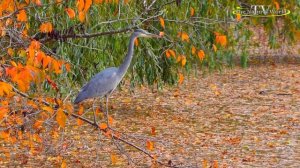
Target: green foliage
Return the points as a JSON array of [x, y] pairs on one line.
[[150, 65]]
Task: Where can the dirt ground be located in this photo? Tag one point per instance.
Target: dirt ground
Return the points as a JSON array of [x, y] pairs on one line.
[[237, 118]]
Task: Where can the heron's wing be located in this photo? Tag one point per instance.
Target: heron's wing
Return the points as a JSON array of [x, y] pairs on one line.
[[101, 84]]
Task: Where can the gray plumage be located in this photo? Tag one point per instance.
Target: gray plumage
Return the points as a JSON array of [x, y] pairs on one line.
[[104, 83]]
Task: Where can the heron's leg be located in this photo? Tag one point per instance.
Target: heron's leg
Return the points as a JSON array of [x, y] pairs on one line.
[[107, 120], [94, 111]]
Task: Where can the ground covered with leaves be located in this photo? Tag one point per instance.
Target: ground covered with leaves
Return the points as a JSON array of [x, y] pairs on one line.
[[237, 118]]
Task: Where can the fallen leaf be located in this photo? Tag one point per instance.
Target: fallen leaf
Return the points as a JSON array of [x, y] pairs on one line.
[[150, 145]]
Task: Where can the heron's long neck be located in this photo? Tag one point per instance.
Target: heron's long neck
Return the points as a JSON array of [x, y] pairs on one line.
[[124, 66]]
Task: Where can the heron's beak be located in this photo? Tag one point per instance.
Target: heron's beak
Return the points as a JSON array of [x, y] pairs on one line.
[[153, 35]]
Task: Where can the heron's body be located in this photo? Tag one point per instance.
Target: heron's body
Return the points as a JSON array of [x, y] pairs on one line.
[[104, 83], [100, 85]]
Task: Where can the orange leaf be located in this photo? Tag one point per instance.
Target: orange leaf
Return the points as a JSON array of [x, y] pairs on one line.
[[38, 124], [162, 22], [102, 126], [46, 27], [183, 60], [204, 163], [3, 112], [47, 108], [70, 12], [61, 118], [5, 88], [172, 52], [40, 55], [194, 50], [46, 61], [38, 2], [10, 52], [238, 17], [136, 42], [87, 5], [35, 45], [56, 66], [110, 120], [63, 164], [168, 54], [81, 16], [178, 59], [68, 67], [22, 17], [113, 158], [80, 5], [4, 134], [80, 112], [153, 132], [150, 145], [276, 5], [192, 11], [181, 78], [201, 54], [184, 36], [215, 164]]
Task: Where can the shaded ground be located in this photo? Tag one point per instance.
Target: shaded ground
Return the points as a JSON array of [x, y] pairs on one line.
[[240, 118]]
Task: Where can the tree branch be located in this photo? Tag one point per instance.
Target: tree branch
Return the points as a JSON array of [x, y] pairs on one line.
[[66, 36]]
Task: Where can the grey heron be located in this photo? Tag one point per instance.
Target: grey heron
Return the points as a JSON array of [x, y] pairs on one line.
[[105, 82]]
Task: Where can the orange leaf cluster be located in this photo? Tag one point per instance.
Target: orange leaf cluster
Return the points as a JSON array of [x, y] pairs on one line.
[[170, 53], [183, 36], [182, 59], [46, 27], [22, 75], [83, 6], [221, 39]]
